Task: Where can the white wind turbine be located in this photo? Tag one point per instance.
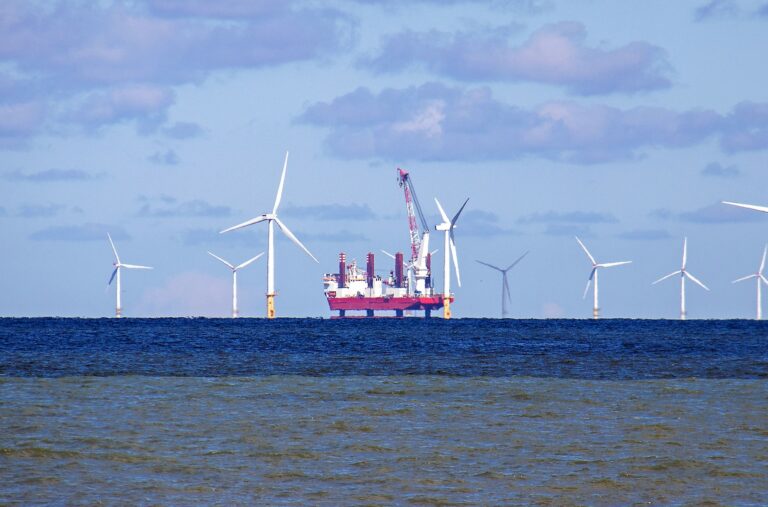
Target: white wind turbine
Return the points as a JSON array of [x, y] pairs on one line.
[[759, 277], [683, 274], [271, 219], [505, 293], [593, 275], [450, 251], [235, 312], [116, 273]]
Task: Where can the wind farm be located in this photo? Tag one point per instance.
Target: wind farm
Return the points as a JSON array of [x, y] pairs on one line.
[[411, 285]]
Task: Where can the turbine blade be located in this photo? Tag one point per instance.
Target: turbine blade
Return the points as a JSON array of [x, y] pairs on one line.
[[112, 277], [586, 289], [490, 265], [134, 266], [762, 263], [764, 209], [455, 258], [222, 260], [442, 212], [586, 251], [765, 281], [388, 254], [745, 278], [612, 264], [113, 248], [252, 221], [293, 238], [667, 276], [518, 260], [695, 280], [456, 216], [279, 196], [241, 266], [685, 251]]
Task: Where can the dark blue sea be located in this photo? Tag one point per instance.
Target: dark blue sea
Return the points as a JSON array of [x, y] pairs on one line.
[[383, 412]]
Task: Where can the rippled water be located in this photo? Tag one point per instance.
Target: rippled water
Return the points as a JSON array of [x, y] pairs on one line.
[[311, 412]]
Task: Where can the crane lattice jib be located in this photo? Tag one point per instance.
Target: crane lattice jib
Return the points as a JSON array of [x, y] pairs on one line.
[[410, 200]]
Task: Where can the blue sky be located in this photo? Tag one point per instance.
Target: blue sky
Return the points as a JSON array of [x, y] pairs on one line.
[[164, 121]]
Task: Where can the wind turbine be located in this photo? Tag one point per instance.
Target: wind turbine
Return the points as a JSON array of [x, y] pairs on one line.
[[450, 246], [116, 273], [764, 209], [593, 274], [683, 274], [759, 278], [271, 219], [234, 269], [505, 293]]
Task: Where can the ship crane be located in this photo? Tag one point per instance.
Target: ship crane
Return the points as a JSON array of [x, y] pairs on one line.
[[420, 257]]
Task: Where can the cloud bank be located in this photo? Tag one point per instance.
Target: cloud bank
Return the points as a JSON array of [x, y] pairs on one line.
[[118, 61], [556, 54], [435, 122]]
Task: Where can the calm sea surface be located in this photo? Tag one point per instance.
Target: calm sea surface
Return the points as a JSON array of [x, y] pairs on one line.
[[383, 412]]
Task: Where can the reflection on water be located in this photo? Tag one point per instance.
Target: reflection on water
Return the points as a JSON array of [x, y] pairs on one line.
[[424, 440]]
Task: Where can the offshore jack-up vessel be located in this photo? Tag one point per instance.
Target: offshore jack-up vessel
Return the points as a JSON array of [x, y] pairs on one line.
[[407, 288]]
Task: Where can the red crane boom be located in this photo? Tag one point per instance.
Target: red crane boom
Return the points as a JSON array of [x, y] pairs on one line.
[[412, 206]]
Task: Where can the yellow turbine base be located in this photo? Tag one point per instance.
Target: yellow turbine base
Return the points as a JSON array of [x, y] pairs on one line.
[[446, 308], [270, 306]]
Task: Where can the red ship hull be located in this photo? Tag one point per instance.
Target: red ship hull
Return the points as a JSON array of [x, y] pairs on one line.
[[386, 303]]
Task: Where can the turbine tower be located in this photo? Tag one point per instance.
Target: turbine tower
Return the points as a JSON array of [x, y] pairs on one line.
[[235, 312], [505, 293], [683, 275], [593, 274], [759, 277], [450, 251], [271, 219], [116, 273]]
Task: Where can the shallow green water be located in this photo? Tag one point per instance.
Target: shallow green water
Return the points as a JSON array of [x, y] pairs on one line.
[[420, 440]]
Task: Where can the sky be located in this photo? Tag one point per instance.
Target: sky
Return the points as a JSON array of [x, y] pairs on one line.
[[165, 121]]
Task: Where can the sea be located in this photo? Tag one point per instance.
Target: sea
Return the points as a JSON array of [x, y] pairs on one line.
[[383, 412]]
